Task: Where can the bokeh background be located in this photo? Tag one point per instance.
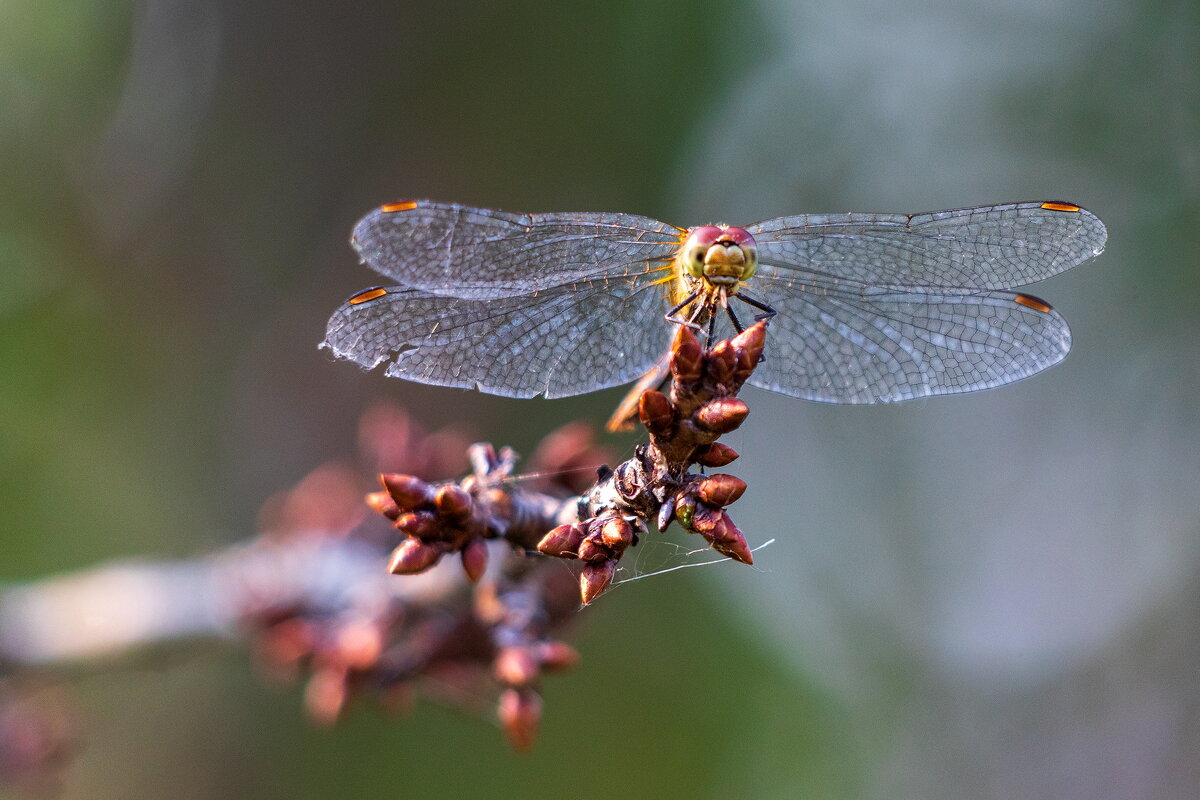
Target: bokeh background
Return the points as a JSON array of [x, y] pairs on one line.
[[986, 596]]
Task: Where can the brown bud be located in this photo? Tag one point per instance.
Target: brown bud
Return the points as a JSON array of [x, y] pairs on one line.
[[409, 492], [686, 355], [556, 656], [422, 524], [474, 559], [595, 578], [326, 694], [562, 542], [520, 712], [720, 489], [706, 518], [720, 362], [359, 644], [722, 414], [515, 666], [655, 412], [382, 503], [727, 540], [750, 342], [716, 455], [591, 549], [414, 555], [616, 533], [453, 504]]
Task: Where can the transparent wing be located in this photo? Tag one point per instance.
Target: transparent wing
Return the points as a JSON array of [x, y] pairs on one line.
[[840, 341], [480, 253], [565, 341], [989, 247]]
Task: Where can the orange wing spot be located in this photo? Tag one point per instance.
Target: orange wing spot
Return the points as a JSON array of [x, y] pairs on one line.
[[663, 279], [366, 296], [1029, 301], [407, 205], [1052, 205]]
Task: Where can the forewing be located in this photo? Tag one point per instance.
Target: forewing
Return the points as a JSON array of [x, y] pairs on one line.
[[481, 253], [989, 247], [565, 341], [846, 342]]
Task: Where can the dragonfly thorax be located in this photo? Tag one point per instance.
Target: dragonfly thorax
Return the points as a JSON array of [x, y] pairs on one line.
[[719, 255]]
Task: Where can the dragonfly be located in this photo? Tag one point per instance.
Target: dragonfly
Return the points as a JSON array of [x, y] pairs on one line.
[[864, 307]]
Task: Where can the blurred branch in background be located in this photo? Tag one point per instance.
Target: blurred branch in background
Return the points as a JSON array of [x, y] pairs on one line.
[[311, 594]]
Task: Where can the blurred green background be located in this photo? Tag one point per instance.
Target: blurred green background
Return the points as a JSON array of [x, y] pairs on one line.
[[993, 595]]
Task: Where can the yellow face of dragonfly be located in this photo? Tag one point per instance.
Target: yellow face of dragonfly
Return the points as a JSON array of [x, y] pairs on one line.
[[719, 255]]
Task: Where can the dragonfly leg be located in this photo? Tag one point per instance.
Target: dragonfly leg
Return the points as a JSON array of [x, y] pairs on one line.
[[671, 315], [768, 312], [737, 325]]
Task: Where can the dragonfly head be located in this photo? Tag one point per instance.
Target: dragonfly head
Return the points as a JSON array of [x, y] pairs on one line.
[[719, 254]]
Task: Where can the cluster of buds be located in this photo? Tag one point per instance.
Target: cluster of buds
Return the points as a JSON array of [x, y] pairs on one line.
[[456, 639], [599, 543], [655, 485]]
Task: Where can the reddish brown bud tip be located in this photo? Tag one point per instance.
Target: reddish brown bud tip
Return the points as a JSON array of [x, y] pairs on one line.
[[325, 695], [422, 524], [727, 540], [556, 656], [595, 578], [414, 555], [750, 342], [515, 666], [474, 559], [722, 414], [705, 519], [616, 534], [382, 503], [453, 504], [592, 549], [686, 356], [721, 489], [721, 362], [359, 644], [716, 455], [655, 412], [409, 492], [520, 712], [562, 542]]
